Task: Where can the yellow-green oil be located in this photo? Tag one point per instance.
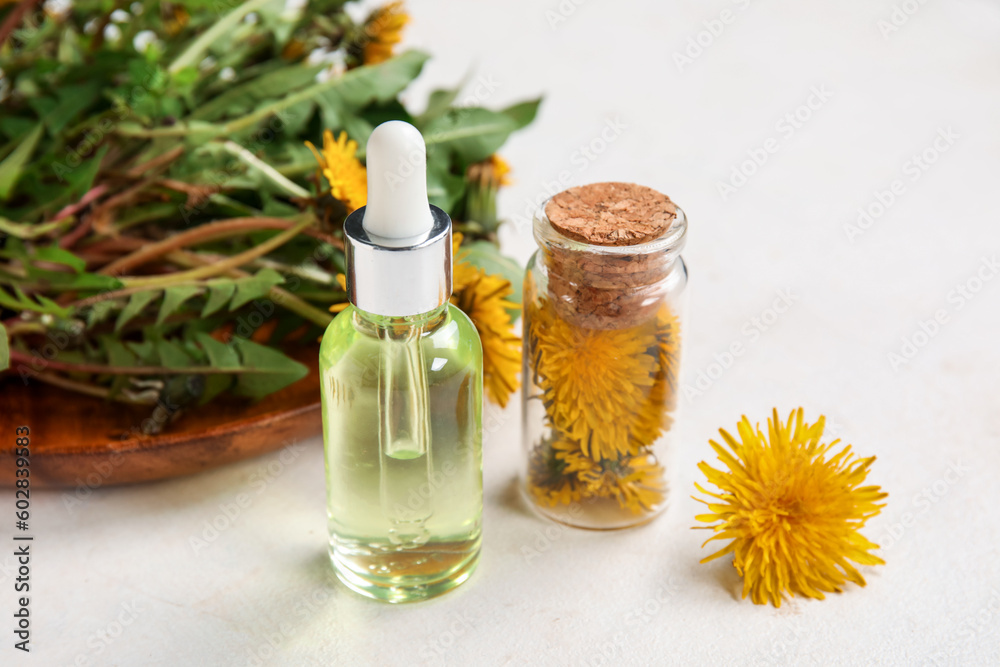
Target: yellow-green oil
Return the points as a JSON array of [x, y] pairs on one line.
[[402, 428]]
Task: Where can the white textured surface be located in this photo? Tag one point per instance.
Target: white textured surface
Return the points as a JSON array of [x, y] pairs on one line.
[[640, 597]]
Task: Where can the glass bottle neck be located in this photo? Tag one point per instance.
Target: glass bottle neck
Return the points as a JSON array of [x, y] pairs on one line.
[[386, 326]]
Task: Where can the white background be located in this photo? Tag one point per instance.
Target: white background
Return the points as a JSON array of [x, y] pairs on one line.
[[120, 564]]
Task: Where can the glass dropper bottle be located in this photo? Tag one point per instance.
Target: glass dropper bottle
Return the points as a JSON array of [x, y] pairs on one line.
[[401, 380]]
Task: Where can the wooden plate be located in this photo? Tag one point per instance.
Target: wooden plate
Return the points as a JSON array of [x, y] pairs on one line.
[[82, 441]]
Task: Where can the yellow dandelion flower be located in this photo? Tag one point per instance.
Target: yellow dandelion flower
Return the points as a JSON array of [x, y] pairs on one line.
[[668, 349], [792, 513], [642, 482], [337, 307], [346, 175], [462, 272], [636, 482], [484, 299], [491, 172], [577, 462], [383, 30], [551, 480], [654, 415], [293, 50], [501, 170], [177, 22], [594, 381]]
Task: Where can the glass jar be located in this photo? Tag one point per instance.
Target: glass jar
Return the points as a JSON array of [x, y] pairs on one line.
[[602, 341]]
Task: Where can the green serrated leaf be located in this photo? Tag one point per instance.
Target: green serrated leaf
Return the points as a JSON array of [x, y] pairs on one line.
[[4, 349], [339, 98], [295, 118], [14, 127], [20, 301], [135, 304], [80, 179], [267, 370], [172, 354], [195, 352], [85, 281], [473, 134], [72, 99], [215, 385], [50, 306], [144, 351], [357, 128], [219, 293], [374, 83], [245, 97], [355, 89], [99, 312], [255, 286], [523, 113], [9, 302], [220, 355], [376, 114], [118, 355], [14, 249], [57, 255], [174, 298], [437, 104], [276, 208], [444, 189], [13, 164]]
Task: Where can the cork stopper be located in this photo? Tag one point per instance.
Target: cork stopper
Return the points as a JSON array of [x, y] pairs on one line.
[[608, 289], [612, 214]]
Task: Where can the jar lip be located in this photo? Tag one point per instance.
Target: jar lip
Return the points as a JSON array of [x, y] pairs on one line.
[[670, 242]]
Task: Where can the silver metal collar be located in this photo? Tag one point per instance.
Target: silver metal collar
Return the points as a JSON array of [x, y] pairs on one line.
[[398, 277]]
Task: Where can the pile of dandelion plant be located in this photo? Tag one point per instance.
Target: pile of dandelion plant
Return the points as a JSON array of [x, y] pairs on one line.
[[168, 229]]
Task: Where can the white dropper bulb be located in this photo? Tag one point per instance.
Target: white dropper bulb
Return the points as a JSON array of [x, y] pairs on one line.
[[397, 182]]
